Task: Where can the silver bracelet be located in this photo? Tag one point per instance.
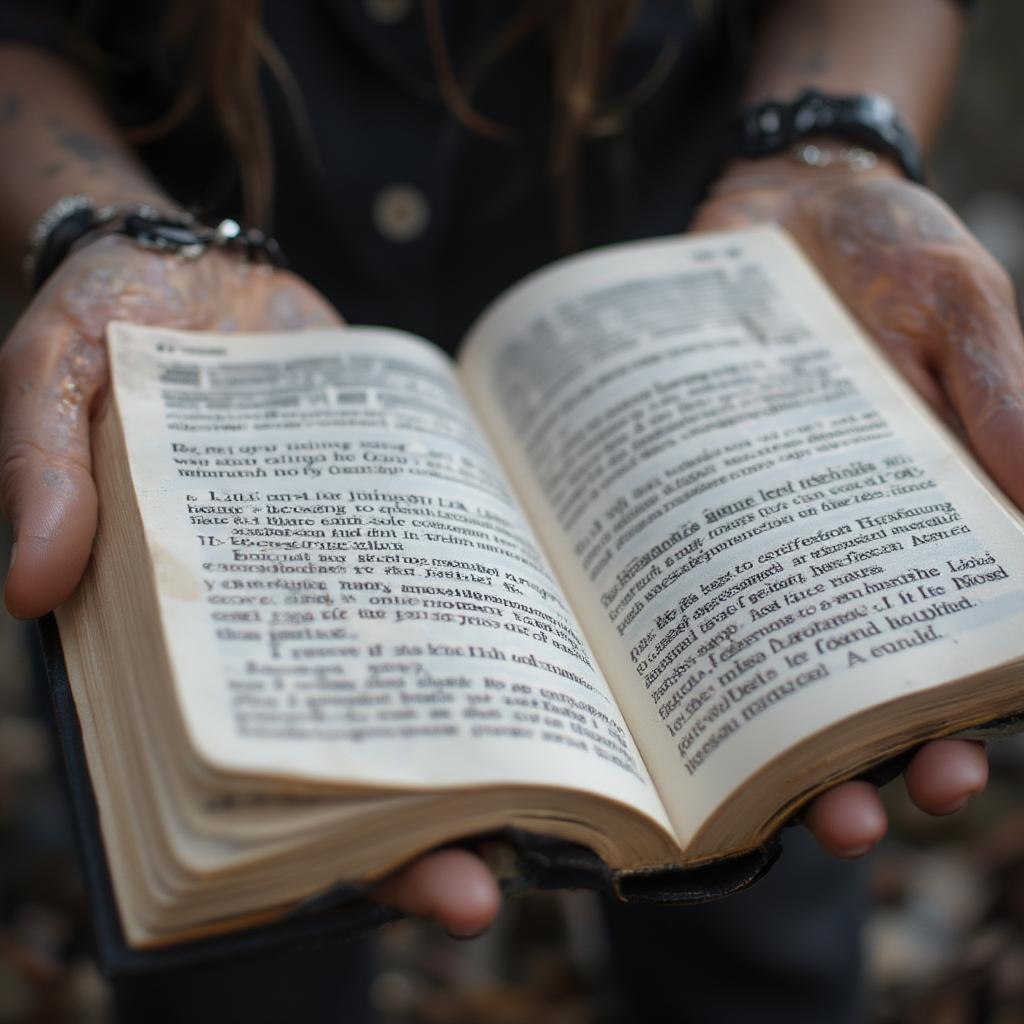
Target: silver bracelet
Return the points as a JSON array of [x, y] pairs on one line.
[[854, 158]]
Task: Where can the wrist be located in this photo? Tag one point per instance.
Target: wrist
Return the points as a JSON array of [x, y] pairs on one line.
[[786, 170], [868, 125], [68, 223], [75, 221], [57, 227]]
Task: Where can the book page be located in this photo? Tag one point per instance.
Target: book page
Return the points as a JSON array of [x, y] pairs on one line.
[[760, 528], [349, 590]]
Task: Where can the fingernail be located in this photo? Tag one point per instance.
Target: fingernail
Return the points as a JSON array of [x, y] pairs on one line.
[[852, 852], [466, 936], [959, 805]]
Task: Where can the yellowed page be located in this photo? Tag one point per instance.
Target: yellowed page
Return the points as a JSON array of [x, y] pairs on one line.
[[760, 528], [350, 591]]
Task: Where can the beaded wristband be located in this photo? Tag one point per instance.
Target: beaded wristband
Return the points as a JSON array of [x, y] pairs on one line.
[[76, 218]]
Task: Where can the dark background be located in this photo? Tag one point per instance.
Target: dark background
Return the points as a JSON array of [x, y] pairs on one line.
[[945, 939]]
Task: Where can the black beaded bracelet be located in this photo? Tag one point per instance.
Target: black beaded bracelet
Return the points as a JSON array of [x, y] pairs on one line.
[[869, 120], [76, 218]]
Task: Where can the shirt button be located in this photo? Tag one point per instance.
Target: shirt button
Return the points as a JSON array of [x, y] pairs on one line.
[[387, 12], [401, 213]]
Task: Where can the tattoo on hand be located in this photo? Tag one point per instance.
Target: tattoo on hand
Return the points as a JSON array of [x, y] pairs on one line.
[[97, 156], [85, 147], [804, 51], [11, 108]]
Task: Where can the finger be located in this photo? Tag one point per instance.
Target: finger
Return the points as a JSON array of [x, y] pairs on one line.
[[914, 368], [847, 820], [945, 774], [49, 378], [452, 887], [983, 369]]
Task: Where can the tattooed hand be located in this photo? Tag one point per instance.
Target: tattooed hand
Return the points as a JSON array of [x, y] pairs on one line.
[[53, 377], [944, 312]]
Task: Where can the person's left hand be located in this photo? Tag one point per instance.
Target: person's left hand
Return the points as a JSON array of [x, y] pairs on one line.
[[944, 312], [53, 376]]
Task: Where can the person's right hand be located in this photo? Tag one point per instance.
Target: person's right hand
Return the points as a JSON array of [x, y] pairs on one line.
[[53, 378]]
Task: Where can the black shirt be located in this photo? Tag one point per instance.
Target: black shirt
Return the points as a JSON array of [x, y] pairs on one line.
[[406, 217]]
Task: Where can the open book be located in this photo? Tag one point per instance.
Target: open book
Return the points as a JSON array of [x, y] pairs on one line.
[[667, 551]]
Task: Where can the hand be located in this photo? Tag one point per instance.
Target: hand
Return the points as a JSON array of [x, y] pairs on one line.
[[53, 377], [944, 312]]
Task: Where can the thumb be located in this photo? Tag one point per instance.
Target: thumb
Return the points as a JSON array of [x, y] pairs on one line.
[[47, 385], [452, 887], [54, 520]]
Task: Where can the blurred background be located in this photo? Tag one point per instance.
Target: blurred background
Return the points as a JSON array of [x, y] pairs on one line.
[[945, 938]]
